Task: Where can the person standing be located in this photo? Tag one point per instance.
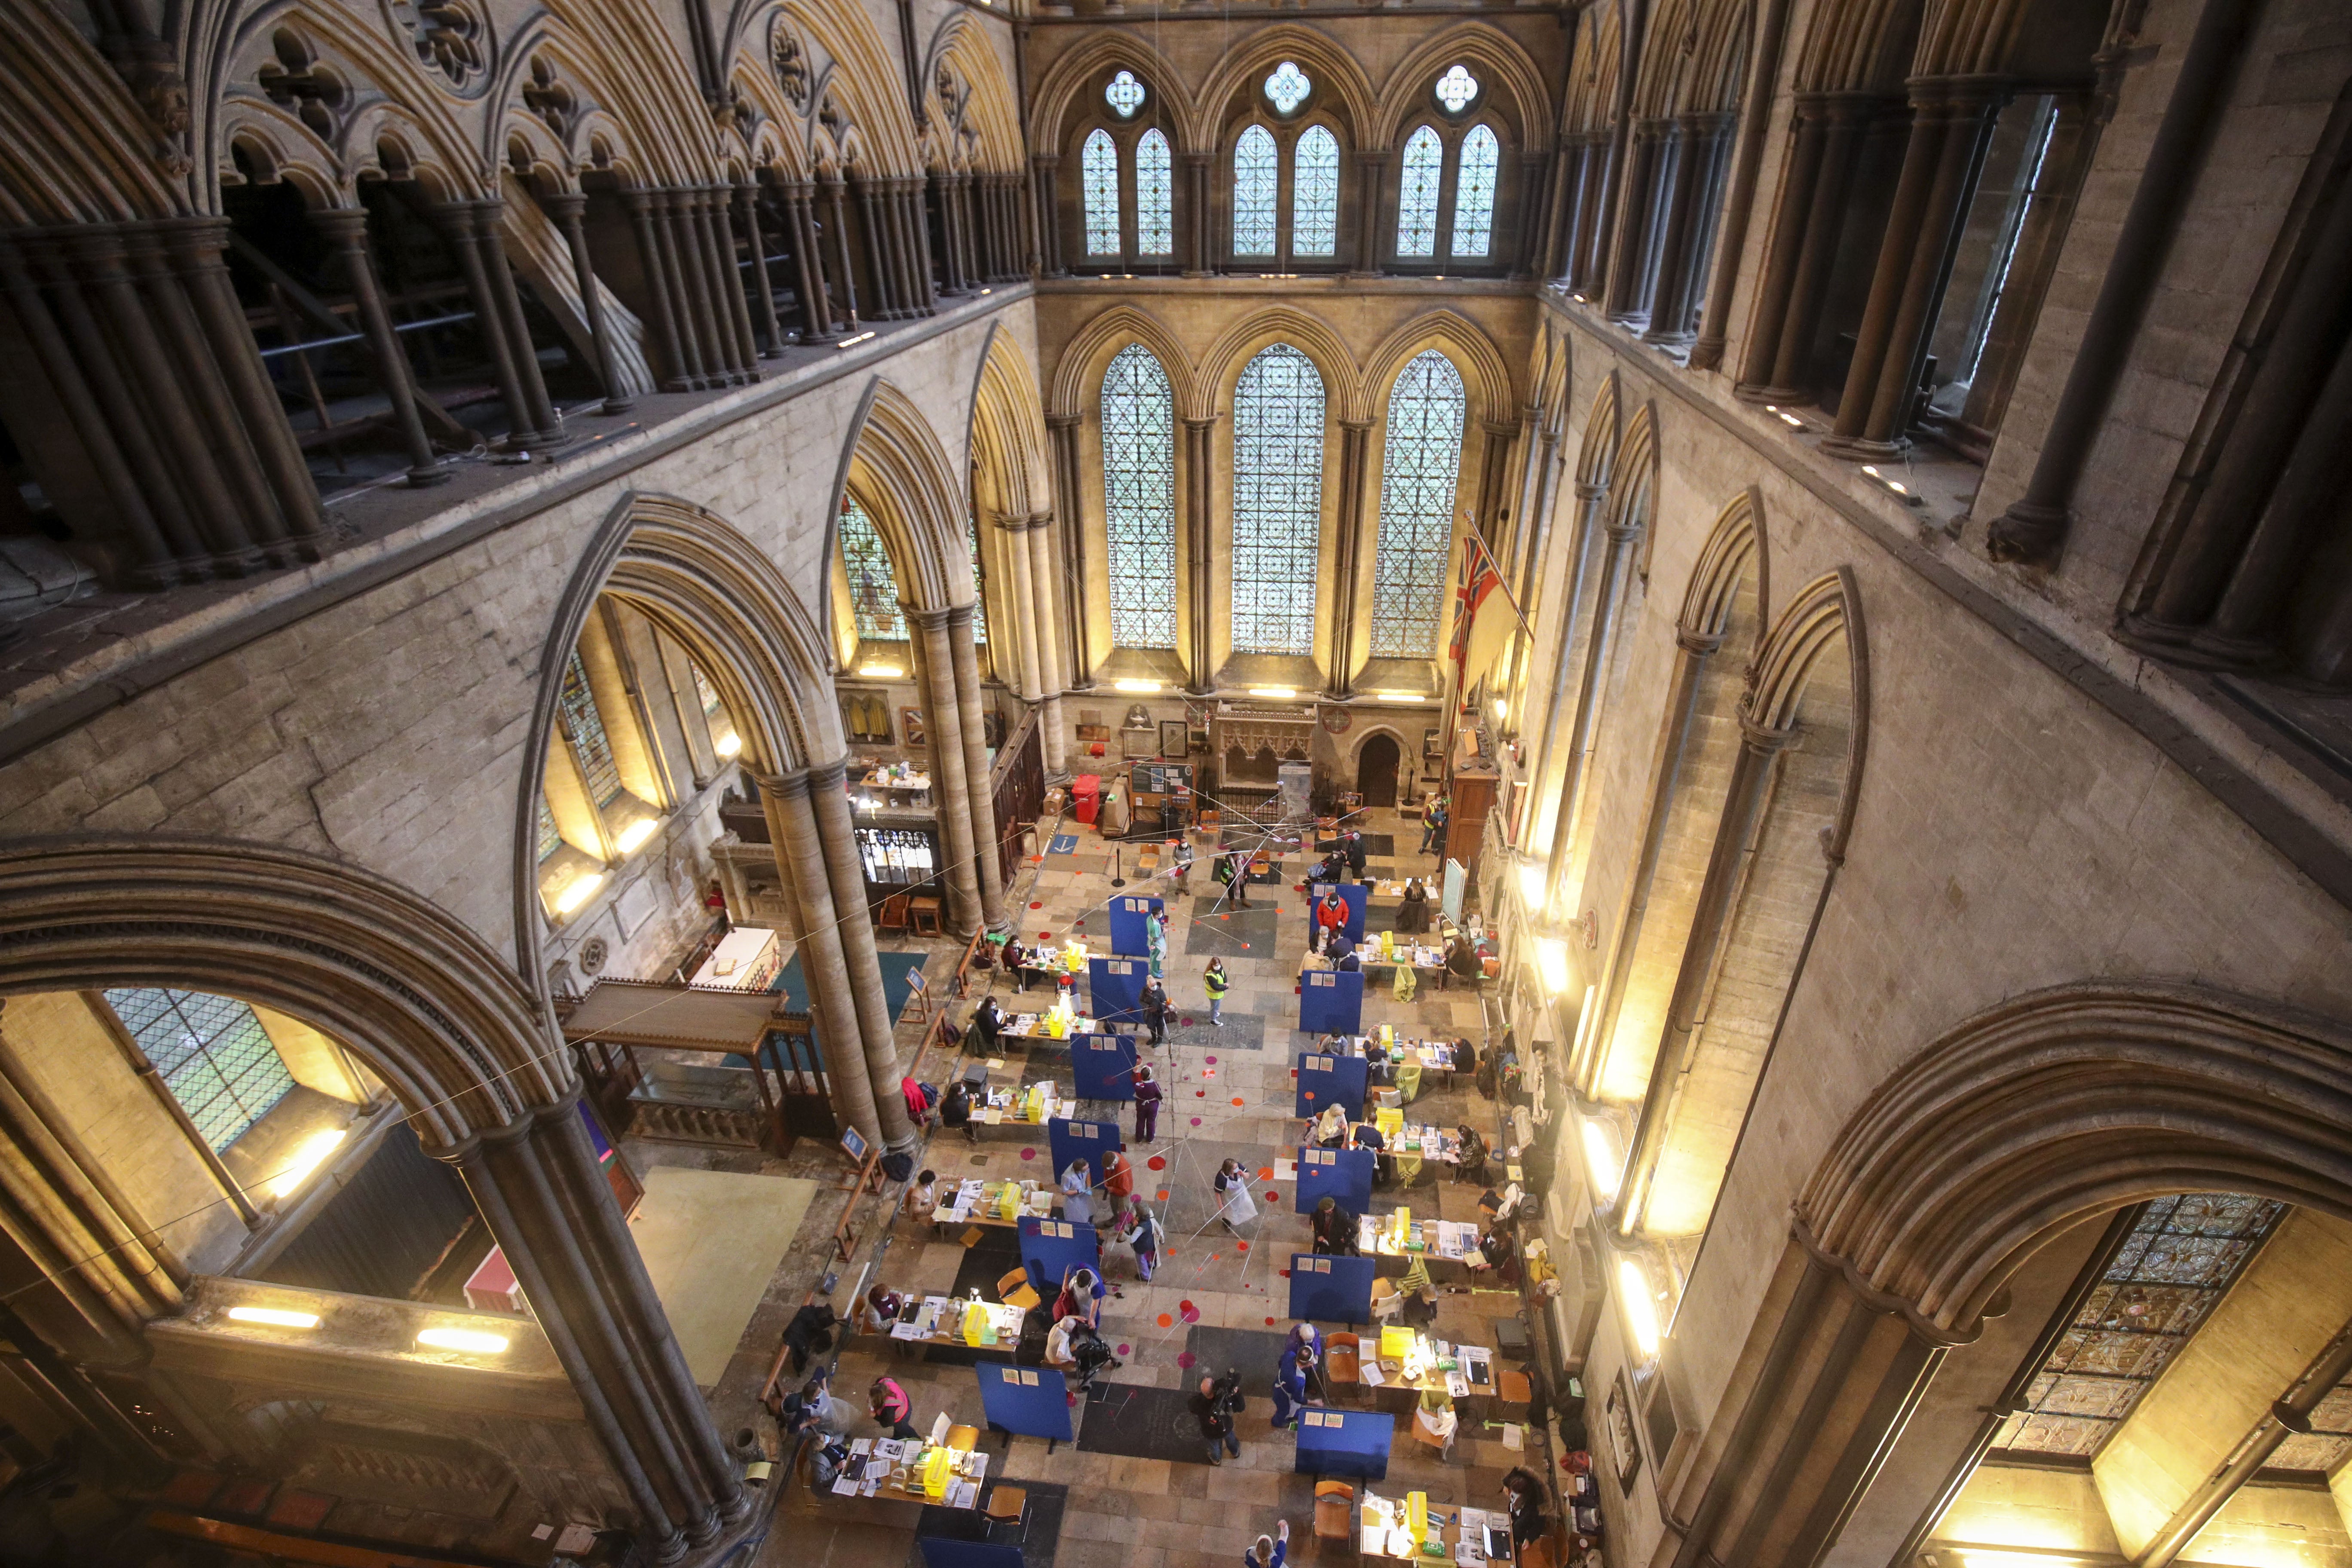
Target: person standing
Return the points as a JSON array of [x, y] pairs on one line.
[[1235, 1204], [1432, 826], [1215, 982], [1330, 919], [1334, 1229], [888, 1405], [1155, 1009], [1238, 881], [1290, 1383], [1352, 846], [1147, 1105], [1078, 1193], [1212, 1405], [1155, 940], [1271, 1551], [1119, 1179], [1144, 1235], [1181, 868]]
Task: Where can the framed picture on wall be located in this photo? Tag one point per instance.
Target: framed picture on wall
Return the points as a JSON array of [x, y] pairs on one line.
[[1175, 740], [910, 727]]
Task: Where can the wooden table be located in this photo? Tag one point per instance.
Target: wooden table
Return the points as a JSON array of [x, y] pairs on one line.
[[984, 1213], [1379, 1522], [1460, 1382], [941, 1323], [903, 1480]]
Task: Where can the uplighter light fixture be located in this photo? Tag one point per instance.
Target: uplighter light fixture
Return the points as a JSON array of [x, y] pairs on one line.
[[276, 1317], [1531, 883], [1283, 693], [880, 671], [729, 744], [633, 837], [1502, 706], [472, 1341], [1135, 686], [307, 1157], [853, 343], [1398, 696], [578, 891], [1551, 963], [1640, 1310], [1897, 486], [1604, 1166]]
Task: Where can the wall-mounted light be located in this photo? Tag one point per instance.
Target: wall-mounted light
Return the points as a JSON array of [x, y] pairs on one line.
[[1551, 963], [1604, 1167], [1284, 693], [472, 1341], [729, 744], [578, 891], [1897, 486], [1502, 706], [307, 1157], [853, 341], [1531, 883], [1586, 1022], [1398, 696], [1640, 1306], [1135, 686], [276, 1317], [880, 671]]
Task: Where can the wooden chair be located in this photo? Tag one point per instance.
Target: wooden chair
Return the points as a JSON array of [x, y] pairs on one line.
[[1513, 1387], [1436, 1428], [893, 912], [1335, 1511], [923, 909], [1008, 1505], [1343, 1366]]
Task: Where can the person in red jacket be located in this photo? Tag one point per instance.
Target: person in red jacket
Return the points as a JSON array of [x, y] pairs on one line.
[[1330, 919]]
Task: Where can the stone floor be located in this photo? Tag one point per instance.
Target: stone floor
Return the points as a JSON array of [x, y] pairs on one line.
[[1229, 1093]]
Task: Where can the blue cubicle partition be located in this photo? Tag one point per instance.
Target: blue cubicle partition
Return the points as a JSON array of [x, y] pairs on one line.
[[1088, 1140], [1051, 1247], [1331, 1001], [1115, 988], [1127, 915], [1104, 1065], [1344, 1443], [1344, 1174], [1034, 1401], [1331, 1289], [1323, 1079]]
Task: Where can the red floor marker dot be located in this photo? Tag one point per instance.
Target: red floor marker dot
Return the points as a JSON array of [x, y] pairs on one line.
[[1045, 936], [1199, 1094], [1036, 906], [1284, 1272], [1165, 1321], [1243, 1246], [1269, 1322], [1271, 1196], [1157, 1163], [1028, 1153]]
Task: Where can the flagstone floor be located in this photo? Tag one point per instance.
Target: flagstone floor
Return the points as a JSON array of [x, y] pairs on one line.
[[1229, 1093]]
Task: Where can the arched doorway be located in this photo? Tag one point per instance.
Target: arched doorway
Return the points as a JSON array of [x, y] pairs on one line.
[[1376, 771]]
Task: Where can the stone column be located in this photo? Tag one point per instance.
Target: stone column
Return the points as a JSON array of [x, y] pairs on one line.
[[472, 229], [1648, 178], [1830, 131], [704, 306], [876, 249], [826, 931], [1042, 572], [951, 233], [1684, 250], [1200, 252], [951, 783], [569, 209], [1355, 454], [1371, 183], [828, 797], [747, 198], [1199, 486], [1951, 123], [1043, 167], [1015, 534], [346, 230], [1754, 118], [1711, 918], [1599, 647], [965, 654], [836, 189], [538, 1188], [808, 262], [1062, 430], [684, 373]]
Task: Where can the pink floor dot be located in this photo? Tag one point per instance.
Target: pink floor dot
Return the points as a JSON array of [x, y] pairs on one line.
[[1123, 1350], [1028, 1153], [1184, 1358], [1212, 1061], [1196, 1121]]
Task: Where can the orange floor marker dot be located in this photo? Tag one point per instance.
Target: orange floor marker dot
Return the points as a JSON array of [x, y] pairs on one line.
[[1165, 1321], [1238, 1100]]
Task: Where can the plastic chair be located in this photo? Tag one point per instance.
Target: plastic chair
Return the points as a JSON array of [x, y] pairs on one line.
[[1342, 1361], [1014, 1291], [1335, 1511]]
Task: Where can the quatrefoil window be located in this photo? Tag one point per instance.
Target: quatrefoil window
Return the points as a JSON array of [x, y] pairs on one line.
[[1288, 88], [1125, 95], [1456, 87]]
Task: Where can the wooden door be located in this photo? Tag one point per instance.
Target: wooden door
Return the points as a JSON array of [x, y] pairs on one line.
[[1376, 771]]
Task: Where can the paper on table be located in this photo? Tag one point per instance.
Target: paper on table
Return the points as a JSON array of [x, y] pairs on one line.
[[1371, 1372], [1467, 1554], [845, 1486], [996, 1064], [862, 1445], [963, 1494], [905, 1330], [1472, 1519]]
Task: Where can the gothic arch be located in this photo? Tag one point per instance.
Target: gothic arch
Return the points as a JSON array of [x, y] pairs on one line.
[[900, 473], [1633, 478], [1693, 61], [434, 1011], [1005, 431], [1590, 100], [2064, 1103], [1078, 370], [989, 109], [1462, 341], [1596, 459], [1331, 68], [1504, 73], [86, 155], [1223, 364], [1054, 96], [1826, 614], [859, 71], [1736, 544], [618, 95]]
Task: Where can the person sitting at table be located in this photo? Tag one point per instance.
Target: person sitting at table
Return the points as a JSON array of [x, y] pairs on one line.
[[1290, 1383], [922, 1197], [1412, 914], [955, 1110], [879, 1310], [1329, 1130], [1420, 1293], [1347, 960], [814, 1409], [1018, 964], [1335, 1229], [1384, 1167], [1078, 1193], [1523, 1495], [987, 1025], [889, 1405], [1498, 1245], [1460, 964], [1148, 1095], [1472, 1167], [1330, 919]]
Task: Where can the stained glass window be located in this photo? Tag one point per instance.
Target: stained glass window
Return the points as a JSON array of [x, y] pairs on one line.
[[1155, 223], [1424, 164], [213, 1056], [1099, 166], [873, 588], [1277, 502], [585, 725], [1254, 180], [1138, 437], [2168, 1274], [979, 586], [1473, 193], [550, 838], [1288, 88], [1456, 87], [1125, 95], [703, 689], [1419, 467], [1314, 194]]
